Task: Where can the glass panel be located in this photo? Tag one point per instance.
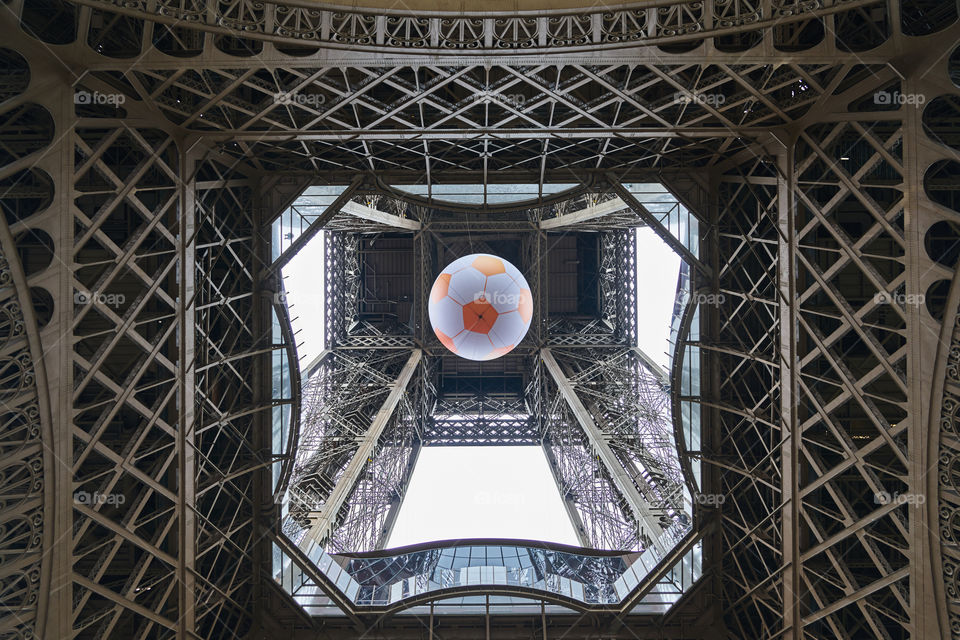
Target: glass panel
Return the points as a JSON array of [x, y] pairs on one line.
[[494, 194], [590, 578], [298, 217]]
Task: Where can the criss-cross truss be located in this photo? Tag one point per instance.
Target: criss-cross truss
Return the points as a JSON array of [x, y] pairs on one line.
[[146, 146]]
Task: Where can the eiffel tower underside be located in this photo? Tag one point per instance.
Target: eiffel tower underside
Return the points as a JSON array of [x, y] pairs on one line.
[[169, 470]]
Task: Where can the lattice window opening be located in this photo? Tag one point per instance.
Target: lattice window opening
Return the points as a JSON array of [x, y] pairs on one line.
[[939, 183], [863, 28], [358, 522], [798, 36], [52, 21], [113, 35]]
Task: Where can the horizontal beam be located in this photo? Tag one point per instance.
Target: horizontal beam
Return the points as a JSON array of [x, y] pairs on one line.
[[380, 217], [583, 215], [436, 45], [484, 133]]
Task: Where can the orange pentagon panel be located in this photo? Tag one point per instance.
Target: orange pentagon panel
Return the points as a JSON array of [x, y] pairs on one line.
[[489, 265], [479, 316], [440, 287], [525, 306], [445, 340]]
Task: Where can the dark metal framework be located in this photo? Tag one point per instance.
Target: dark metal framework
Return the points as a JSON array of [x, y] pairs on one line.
[[138, 305]]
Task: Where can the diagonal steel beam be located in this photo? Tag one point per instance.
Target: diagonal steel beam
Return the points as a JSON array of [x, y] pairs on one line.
[[323, 521], [381, 217], [659, 229], [621, 479], [313, 229], [584, 215]]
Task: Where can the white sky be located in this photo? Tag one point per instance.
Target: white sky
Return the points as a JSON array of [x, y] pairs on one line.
[[302, 278], [657, 270], [495, 492], [482, 492]]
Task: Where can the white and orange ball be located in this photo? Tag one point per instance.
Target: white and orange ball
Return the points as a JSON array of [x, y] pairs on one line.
[[480, 307]]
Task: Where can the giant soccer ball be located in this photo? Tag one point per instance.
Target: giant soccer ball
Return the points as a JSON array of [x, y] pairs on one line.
[[480, 307]]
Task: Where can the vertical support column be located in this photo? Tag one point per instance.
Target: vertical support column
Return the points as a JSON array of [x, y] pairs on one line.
[[543, 618], [921, 356], [186, 427], [266, 205], [790, 438], [423, 264], [58, 348], [711, 425], [538, 257], [486, 617]]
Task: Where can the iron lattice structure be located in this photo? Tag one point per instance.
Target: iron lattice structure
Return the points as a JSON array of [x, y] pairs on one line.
[[137, 288], [340, 402]]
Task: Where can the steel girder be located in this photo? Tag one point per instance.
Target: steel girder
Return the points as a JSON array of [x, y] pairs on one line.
[[481, 421], [458, 114], [819, 357], [806, 553], [299, 27], [233, 335]]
